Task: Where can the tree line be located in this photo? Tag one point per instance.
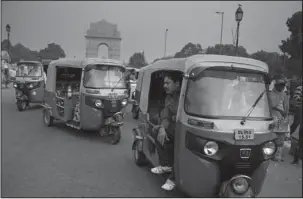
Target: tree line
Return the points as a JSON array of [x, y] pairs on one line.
[[20, 52], [289, 62]]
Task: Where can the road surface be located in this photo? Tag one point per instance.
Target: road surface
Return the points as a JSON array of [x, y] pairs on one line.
[[39, 161]]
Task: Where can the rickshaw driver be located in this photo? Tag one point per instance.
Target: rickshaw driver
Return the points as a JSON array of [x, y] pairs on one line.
[[165, 131]]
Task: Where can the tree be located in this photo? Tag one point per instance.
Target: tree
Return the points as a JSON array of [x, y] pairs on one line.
[[227, 49], [293, 45], [189, 50], [19, 52], [274, 61], [52, 51], [5, 44], [137, 60]]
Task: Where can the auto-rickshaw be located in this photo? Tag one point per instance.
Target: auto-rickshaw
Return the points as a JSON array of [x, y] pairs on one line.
[[29, 84], [224, 136], [87, 95]]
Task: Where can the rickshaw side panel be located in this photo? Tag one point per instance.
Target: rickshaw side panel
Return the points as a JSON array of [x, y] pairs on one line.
[[90, 118], [189, 166], [38, 97]]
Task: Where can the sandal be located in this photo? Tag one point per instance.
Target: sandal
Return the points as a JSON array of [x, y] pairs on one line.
[[169, 185], [161, 170]]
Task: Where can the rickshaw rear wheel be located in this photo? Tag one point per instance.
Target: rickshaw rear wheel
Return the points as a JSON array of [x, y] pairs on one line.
[[47, 118], [115, 135], [21, 105], [139, 156]]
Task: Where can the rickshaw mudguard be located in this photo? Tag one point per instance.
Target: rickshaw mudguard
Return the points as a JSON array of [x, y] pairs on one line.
[[137, 138], [259, 176], [90, 118]]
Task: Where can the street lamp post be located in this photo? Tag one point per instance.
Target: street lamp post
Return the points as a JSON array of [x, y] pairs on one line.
[[165, 39], [8, 30], [239, 16], [222, 15]]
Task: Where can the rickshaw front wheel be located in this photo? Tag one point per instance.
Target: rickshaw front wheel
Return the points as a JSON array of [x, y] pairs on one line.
[[139, 156], [47, 118], [21, 105]]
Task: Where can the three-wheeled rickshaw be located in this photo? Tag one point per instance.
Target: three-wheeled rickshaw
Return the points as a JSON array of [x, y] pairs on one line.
[[29, 84], [87, 95], [224, 136]]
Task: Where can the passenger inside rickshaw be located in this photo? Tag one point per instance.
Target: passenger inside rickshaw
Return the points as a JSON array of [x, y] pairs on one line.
[[157, 95], [68, 77]]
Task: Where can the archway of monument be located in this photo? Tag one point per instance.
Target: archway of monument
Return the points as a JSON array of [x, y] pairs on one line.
[[103, 51]]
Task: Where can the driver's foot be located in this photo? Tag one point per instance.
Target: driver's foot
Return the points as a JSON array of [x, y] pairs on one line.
[[161, 170], [169, 185]]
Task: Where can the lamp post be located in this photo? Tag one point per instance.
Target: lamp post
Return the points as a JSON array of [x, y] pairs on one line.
[[239, 16], [222, 15], [8, 30], [165, 39]]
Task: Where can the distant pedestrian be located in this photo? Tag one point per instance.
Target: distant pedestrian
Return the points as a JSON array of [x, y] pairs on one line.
[[296, 127], [280, 108]]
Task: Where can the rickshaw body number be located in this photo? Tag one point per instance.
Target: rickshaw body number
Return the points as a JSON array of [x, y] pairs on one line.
[[244, 134]]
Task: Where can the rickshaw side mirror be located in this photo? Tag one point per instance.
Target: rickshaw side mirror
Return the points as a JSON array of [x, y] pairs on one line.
[[267, 80]]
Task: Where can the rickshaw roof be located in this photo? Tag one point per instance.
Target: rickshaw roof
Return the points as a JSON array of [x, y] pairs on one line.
[[130, 68], [67, 62], [29, 62], [102, 61], [185, 64]]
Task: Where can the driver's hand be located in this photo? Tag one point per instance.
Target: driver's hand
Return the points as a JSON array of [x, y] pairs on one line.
[[162, 136]]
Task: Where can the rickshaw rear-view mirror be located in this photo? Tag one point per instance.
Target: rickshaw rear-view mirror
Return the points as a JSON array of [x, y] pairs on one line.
[[267, 80]]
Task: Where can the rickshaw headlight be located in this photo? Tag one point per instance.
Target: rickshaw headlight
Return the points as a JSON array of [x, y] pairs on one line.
[[210, 148], [269, 148], [124, 102], [239, 185], [98, 103], [30, 86], [15, 85]]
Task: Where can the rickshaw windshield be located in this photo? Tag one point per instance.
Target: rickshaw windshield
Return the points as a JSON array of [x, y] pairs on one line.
[[28, 70], [103, 76], [219, 94]]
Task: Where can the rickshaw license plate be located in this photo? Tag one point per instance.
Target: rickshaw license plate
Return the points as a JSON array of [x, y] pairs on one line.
[[244, 134], [114, 103]]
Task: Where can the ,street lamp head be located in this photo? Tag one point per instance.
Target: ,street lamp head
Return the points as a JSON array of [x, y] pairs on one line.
[[239, 13], [8, 28]]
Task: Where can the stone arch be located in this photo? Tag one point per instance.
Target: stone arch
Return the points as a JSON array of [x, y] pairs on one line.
[[103, 33], [103, 50]]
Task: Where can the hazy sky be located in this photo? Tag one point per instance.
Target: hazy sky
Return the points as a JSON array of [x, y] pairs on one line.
[[142, 24]]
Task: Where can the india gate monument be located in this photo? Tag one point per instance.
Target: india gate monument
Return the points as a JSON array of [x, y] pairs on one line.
[[103, 33]]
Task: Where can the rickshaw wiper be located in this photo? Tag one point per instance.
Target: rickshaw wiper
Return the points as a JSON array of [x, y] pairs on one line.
[[252, 108], [113, 88]]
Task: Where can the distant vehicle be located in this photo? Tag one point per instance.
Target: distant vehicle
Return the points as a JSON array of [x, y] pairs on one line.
[[87, 95], [29, 83]]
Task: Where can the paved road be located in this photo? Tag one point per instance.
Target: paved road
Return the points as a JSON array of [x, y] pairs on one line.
[[60, 162]]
